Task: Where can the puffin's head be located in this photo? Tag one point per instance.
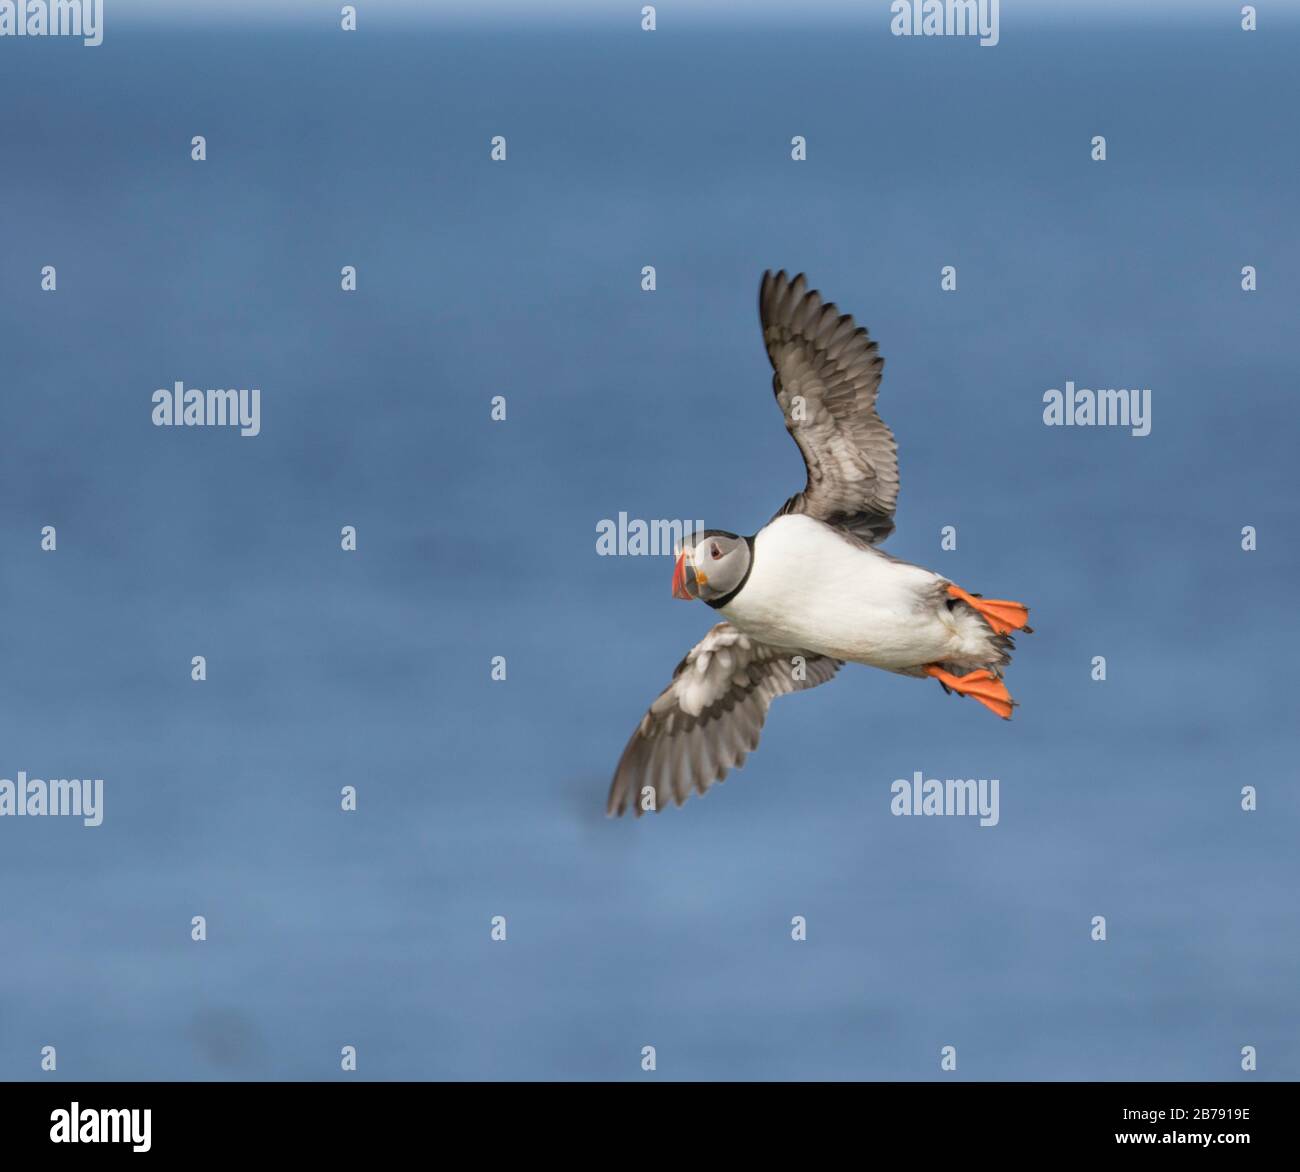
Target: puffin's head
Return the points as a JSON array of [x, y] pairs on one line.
[[710, 565]]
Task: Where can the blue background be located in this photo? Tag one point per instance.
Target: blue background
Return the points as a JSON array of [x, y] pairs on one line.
[[477, 539]]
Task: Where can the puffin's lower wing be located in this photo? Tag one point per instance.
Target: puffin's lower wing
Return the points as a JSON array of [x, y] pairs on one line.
[[709, 718]]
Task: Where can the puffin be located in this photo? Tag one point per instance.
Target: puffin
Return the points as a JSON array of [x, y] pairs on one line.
[[811, 590]]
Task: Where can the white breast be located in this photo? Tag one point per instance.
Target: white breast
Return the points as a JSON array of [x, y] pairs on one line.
[[811, 589]]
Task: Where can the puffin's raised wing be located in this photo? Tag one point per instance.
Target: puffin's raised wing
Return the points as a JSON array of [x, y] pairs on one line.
[[709, 718], [827, 376]]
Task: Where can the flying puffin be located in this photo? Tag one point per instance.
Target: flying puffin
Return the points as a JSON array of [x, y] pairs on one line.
[[809, 591]]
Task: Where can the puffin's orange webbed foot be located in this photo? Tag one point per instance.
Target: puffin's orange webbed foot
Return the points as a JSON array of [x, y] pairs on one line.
[[1003, 616], [983, 685]]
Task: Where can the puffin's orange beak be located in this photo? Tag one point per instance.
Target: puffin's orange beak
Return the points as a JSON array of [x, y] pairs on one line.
[[683, 578]]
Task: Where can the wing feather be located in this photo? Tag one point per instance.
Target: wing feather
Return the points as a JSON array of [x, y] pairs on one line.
[[826, 379], [710, 717]]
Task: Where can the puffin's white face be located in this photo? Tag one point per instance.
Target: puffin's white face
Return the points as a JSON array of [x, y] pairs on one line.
[[710, 566]]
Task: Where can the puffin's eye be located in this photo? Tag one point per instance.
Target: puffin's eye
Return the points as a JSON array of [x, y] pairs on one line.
[[717, 553]]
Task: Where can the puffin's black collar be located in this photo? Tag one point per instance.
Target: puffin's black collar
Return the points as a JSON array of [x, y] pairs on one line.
[[749, 569]]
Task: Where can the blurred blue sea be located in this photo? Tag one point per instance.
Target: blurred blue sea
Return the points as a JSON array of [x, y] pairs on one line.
[[477, 539]]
